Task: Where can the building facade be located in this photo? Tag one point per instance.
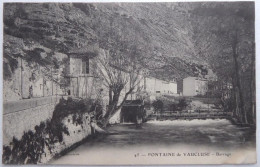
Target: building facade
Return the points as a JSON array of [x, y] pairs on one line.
[[157, 86], [80, 73], [193, 86]]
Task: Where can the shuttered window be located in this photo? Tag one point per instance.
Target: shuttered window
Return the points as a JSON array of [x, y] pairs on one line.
[[85, 66]]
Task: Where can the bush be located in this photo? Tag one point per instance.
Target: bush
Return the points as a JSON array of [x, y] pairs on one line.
[[158, 105], [182, 104], [173, 107]]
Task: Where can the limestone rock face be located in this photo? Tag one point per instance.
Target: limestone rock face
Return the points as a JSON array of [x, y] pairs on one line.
[[159, 33]]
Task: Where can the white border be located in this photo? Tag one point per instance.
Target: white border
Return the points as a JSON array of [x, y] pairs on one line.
[[257, 38]]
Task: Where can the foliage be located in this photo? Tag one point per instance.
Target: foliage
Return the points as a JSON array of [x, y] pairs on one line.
[[173, 107], [182, 104], [167, 104], [228, 33], [158, 105]]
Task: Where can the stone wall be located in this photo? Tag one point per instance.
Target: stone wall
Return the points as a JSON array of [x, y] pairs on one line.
[[23, 115], [77, 132], [30, 82], [20, 117]]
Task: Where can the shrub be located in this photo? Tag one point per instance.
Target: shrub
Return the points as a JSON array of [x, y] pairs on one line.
[[158, 105], [182, 104], [173, 107]]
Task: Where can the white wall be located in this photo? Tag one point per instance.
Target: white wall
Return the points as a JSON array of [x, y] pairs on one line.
[[173, 87], [153, 85], [150, 85], [201, 87], [193, 86], [189, 86], [75, 65]]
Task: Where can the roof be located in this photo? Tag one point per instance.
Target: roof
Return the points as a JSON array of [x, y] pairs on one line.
[[167, 81], [196, 78], [89, 51]]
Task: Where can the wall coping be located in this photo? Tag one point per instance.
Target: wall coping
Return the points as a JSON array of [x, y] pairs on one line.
[[20, 105]]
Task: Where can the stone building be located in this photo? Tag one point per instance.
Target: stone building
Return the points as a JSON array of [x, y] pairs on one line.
[[156, 87], [193, 86], [80, 73]]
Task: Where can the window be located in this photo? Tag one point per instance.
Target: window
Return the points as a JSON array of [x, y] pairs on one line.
[[85, 65]]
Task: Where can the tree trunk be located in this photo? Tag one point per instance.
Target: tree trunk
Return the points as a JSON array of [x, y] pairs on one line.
[[113, 104], [236, 101], [238, 109], [234, 98], [106, 120], [112, 107], [238, 82], [110, 96], [252, 86], [107, 116]]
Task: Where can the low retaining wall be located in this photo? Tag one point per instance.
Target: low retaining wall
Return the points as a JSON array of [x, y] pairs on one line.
[[37, 124], [23, 115], [77, 132]]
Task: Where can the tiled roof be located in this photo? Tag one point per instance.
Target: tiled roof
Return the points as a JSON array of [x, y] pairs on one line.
[[90, 51]]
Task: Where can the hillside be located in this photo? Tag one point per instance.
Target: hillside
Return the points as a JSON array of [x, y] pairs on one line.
[[159, 33]]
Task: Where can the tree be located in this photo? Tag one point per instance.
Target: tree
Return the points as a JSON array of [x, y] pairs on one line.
[[227, 31], [118, 63], [118, 73]]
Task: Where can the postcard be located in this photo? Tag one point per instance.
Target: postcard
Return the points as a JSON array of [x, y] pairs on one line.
[[137, 83]]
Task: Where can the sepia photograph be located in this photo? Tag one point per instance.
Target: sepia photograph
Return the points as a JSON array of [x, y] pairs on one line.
[[129, 83]]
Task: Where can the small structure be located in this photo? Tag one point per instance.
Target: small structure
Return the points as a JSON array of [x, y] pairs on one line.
[[133, 111], [80, 73], [193, 86]]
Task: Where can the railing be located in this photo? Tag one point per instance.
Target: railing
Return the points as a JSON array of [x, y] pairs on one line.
[[191, 115]]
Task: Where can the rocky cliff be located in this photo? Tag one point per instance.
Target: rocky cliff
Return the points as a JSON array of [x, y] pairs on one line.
[[160, 33]]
